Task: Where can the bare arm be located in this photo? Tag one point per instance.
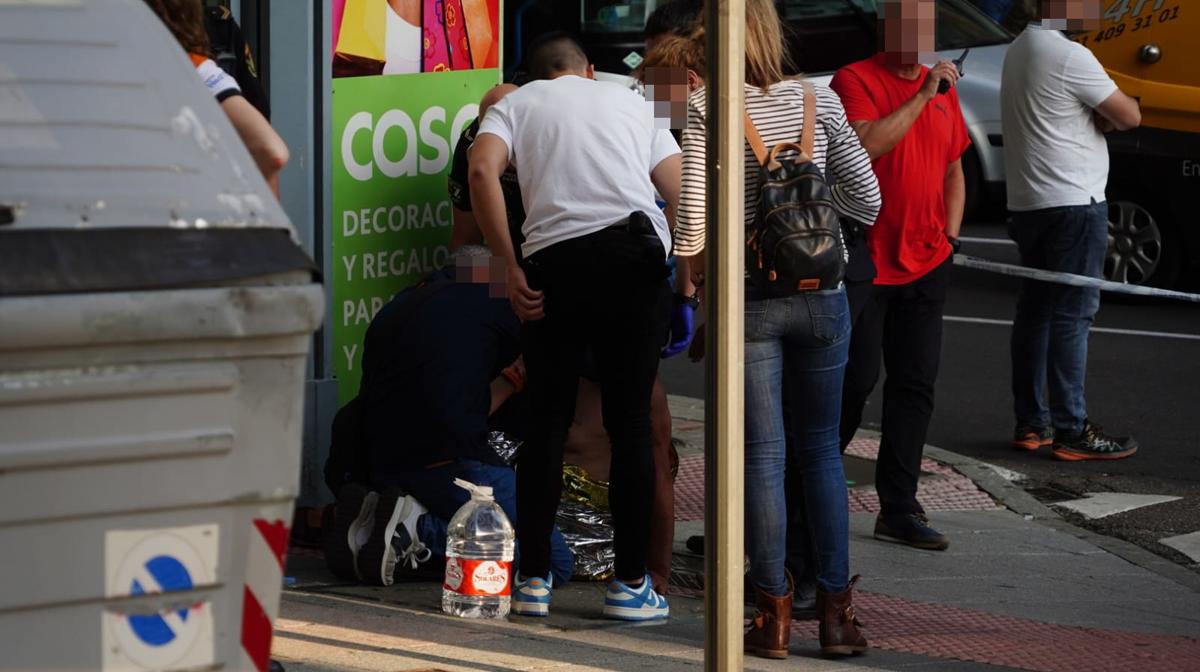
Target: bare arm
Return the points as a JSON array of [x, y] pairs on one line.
[[1122, 111], [956, 198], [881, 136], [489, 159], [268, 150], [666, 177], [502, 390], [466, 230]]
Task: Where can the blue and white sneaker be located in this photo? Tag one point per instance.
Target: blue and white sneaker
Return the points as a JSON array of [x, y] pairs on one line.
[[531, 597], [628, 603]]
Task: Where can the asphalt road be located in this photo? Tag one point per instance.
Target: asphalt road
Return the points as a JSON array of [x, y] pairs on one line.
[[1146, 384]]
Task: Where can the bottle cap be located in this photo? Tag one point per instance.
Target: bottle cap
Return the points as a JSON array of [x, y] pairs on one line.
[[481, 492]]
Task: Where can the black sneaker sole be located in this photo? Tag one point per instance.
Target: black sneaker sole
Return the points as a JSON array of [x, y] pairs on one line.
[[377, 558], [923, 545], [355, 510]]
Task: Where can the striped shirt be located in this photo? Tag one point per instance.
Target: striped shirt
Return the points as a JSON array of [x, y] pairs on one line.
[[778, 116]]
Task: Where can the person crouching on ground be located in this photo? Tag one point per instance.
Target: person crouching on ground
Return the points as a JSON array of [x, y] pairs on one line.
[[438, 361]]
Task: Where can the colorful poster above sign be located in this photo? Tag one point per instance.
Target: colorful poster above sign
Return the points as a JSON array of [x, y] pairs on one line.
[[408, 78]]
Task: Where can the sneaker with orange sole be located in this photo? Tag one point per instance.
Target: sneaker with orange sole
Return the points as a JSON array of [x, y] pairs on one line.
[[1032, 437], [1093, 443]]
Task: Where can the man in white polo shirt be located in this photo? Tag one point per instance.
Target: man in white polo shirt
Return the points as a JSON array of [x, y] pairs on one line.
[[1057, 103], [588, 158]]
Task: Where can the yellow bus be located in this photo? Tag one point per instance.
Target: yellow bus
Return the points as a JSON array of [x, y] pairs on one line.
[[1151, 48]]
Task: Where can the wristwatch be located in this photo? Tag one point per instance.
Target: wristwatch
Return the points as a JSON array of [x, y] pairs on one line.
[[693, 300], [955, 244]]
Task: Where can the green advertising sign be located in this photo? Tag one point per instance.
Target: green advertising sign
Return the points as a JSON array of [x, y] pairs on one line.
[[393, 141]]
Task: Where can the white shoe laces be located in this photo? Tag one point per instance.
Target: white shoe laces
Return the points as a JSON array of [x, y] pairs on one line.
[[416, 553]]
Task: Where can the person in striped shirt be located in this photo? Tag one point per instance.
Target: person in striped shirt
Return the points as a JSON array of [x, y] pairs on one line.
[[798, 342]]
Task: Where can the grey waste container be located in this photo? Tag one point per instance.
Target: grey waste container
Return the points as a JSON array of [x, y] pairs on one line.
[[156, 315]]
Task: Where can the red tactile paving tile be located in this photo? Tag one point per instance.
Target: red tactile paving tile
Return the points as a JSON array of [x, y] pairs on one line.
[[897, 624], [947, 491], [939, 631]]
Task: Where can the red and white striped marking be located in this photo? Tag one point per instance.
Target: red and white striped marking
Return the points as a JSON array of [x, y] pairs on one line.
[[264, 583]]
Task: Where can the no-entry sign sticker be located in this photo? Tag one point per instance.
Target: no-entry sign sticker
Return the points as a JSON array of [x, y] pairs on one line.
[[159, 562]]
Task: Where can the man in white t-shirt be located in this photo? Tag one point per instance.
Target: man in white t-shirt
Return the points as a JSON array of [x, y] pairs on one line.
[[1057, 102], [588, 158]]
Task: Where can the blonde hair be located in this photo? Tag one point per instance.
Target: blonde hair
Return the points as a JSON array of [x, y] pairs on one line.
[[766, 50], [675, 52]]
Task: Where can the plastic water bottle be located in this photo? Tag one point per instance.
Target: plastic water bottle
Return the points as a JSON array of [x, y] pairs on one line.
[[479, 555]]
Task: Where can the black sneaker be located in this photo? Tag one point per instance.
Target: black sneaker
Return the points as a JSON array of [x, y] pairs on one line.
[[393, 538], [1094, 444], [353, 519], [912, 529], [1032, 437]]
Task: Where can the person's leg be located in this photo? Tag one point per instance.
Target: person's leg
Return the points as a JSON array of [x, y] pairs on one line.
[[1076, 243], [801, 560], [630, 329], [862, 368], [765, 460], [662, 518], [912, 348], [503, 482], [1031, 326], [815, 353], [553, 351], [858, 294], [435, 489]]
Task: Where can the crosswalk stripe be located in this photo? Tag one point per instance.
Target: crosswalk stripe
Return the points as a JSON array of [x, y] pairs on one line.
[[1102, 504], [1188, 544]]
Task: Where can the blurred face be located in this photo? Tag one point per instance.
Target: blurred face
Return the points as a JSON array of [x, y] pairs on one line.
[[667, 90], [1071, 15], [909, 31], [480, 270]]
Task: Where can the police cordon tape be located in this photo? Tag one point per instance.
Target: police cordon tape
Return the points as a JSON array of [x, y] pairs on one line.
[[1070, 279]]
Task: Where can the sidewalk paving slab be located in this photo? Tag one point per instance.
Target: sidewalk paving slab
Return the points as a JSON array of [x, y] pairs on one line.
[[1019, 588]]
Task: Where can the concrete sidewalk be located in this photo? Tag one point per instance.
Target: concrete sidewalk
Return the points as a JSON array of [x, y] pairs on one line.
[[1016, 590]]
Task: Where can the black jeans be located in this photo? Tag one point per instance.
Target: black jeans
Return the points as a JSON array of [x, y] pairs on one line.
[[903, 323], [606, 291]]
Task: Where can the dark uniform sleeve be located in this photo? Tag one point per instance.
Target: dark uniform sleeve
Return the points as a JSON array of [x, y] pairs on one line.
[[233, 55], [456, 182]]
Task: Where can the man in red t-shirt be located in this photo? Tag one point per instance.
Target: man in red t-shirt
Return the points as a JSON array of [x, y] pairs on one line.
[[915, 137]]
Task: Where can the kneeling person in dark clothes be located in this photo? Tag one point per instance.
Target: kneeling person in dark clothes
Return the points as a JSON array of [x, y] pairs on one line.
[[435, 367]]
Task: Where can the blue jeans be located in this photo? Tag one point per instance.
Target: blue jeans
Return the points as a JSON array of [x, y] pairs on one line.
[[801, 341], [1050, 333], [435, 489]]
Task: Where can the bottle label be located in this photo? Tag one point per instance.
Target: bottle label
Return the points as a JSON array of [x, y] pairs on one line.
[[479, 578]]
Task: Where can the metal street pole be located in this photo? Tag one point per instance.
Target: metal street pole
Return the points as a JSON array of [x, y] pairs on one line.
[[723, 447]]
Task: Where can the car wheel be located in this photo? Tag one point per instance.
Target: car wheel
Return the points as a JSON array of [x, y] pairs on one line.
[[1142, 249]]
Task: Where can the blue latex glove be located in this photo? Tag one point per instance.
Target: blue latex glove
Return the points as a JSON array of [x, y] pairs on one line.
[[683, 328]]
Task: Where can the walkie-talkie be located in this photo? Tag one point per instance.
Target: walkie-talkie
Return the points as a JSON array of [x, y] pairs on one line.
[[944, 86]]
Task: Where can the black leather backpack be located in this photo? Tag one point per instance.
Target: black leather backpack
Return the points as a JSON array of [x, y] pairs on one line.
[[795, 242]]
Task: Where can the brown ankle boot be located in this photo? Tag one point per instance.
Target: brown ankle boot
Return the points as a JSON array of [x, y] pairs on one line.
[[839, 629], [771, 628]]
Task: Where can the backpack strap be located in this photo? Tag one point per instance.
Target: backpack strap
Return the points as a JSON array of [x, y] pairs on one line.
[[756, 141], [808, 131]]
